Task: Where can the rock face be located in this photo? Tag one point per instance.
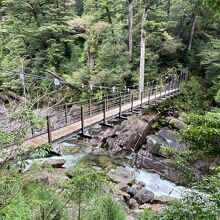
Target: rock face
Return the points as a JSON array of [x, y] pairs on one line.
[[133, 204], [55, 163], [122, 139], [151, 157], [144, 196], [176, 123], [122, 176], [159, 164]]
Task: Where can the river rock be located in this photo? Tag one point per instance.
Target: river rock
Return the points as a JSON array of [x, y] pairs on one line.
[[3, 109], [176, 123], [144, 196], [133, 204], [170, 140], [162, 199], [54, 162], [128, 189], [157, 208], [123, 138], [159, 164], [181, 115], [42, 177], [154, 144], [121, 175]]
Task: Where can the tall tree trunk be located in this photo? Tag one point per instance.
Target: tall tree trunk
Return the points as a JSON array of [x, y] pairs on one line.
[[142, 56], [192, 32], [130, 25]]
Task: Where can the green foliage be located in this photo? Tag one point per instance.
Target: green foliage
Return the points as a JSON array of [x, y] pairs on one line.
[[84, 185], [202, 134], [193, 207], [147, 215], [106, 208], [211, 183], [192, 98], [22, 198], [26, 118], [217, 97]]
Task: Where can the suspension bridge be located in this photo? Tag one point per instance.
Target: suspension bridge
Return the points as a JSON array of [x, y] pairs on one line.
[[76, 117]]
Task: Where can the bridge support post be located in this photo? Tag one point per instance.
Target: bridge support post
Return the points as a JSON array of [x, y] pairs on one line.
[[90, 106], [66, 113], [132, 103], [82, 134], [141, 105], [149, 94], [105, 123], [49, 130], [32, 130], [107, 102], [120, 110]]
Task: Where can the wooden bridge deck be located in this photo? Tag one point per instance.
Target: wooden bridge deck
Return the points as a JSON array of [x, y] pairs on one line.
[[76, 127]]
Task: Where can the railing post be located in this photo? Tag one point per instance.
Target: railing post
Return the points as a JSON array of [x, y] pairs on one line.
[[160, 91], [82, 120], [120, 108], [90, 105], [49, 130], [66, 113], [155, 97], [132, 102], [107, 102], [83, 126], [149, 94], [104, 111], [120, 101], [141, 106], [105, 123], [32, 131]]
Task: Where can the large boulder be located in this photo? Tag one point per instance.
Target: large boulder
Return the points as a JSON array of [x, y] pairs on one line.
[[57, 162], [170, 140], [128, 189], [133, 204], [154, 144], [123, 138], [176, 123], [163, 199], [159, 164], [144, 196], [121, 175]]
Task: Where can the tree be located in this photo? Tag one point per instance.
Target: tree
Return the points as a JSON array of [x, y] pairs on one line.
[[130, 26], [142, 51], [84, 184], [106, 208]]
